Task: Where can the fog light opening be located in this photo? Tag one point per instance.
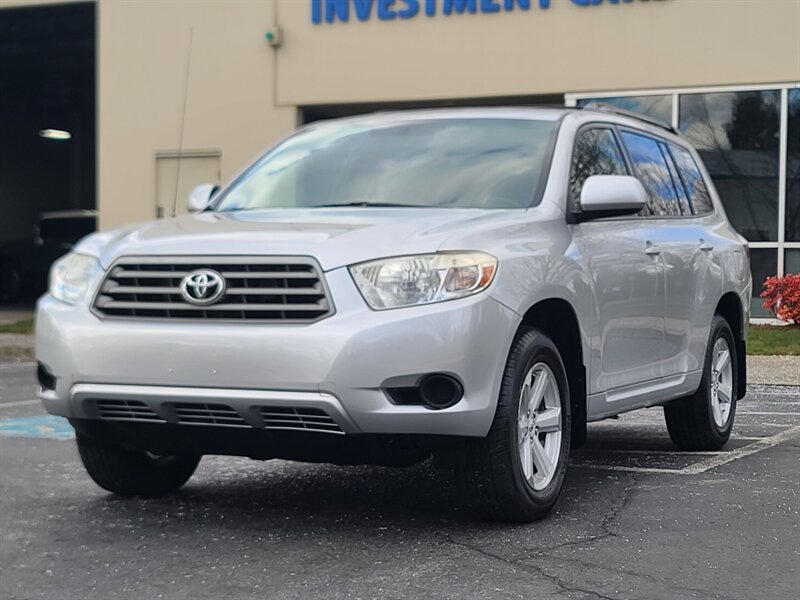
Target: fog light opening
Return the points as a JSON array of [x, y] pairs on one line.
[[440, 391], [47, 381]]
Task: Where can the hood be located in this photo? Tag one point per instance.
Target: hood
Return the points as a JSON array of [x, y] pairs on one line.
[[335, 237]]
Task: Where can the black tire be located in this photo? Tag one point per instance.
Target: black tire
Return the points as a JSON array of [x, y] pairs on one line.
[[133, 473], [495, 481], [690, 420]]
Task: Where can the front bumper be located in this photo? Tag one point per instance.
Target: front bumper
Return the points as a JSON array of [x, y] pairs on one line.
[[341, 365]]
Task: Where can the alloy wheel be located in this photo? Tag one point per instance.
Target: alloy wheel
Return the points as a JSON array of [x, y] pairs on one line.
[[539, 427]]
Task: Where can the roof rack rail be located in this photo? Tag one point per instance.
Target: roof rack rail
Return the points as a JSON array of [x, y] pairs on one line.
[[610, 108]]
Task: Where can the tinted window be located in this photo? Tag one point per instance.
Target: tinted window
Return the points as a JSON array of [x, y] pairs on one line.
[[692, 181], [466, 163], [737, 134], [596, 153], [69, 229], [793, 170], [652, 170], [683, 200]]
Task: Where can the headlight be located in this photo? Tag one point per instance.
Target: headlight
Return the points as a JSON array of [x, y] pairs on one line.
[[70, 277], [423, 279]]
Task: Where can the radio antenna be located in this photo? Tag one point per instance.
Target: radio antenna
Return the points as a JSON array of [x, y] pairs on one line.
[[183, 121]]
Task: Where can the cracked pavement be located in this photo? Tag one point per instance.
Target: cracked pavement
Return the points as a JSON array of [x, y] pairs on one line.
[[246, 529]]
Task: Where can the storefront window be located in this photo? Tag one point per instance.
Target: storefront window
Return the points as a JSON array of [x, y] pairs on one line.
[[763, 263], [791, 261], [658, 107], [738, 136], [793, 171]]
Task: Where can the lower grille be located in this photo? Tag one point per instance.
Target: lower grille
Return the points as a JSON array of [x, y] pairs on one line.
[[126, 410], [191, 413], [313, 419], [219, 415]]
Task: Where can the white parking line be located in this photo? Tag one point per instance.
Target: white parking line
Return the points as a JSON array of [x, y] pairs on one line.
[[719, 458], [795, 414], [20, 403], [718, 461]]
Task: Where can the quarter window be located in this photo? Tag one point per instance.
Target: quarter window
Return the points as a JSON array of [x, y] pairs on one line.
[[596, 153], [652, 170], [692, 181]]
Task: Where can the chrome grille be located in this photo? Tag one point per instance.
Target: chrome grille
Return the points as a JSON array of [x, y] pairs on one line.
[[126, 410], [314, 419], [273, 289], [196, 413]]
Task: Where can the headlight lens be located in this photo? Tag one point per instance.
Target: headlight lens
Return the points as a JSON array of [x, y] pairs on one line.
[[70, 277], [423, 279]]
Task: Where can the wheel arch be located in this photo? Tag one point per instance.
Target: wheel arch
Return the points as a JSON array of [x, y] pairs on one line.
[[730, 307], [557, 318]]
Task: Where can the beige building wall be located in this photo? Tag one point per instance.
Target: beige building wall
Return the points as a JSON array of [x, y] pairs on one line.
[[143, 59], [566, 48], [243, 94]]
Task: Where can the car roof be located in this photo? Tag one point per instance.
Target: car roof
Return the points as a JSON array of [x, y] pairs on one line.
[[427, 114], [595, 112]]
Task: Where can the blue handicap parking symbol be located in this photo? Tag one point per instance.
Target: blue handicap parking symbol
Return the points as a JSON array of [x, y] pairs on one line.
[[43, 426]]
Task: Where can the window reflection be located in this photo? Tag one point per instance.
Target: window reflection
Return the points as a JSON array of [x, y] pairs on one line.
[[465, 163], [791, 261], [651, 169], [596, 153], [793, 170], [763, 263], [737, 135], [657, 107], [692, 181]]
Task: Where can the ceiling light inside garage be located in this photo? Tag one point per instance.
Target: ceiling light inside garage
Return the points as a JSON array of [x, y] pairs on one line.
[[55, 134]]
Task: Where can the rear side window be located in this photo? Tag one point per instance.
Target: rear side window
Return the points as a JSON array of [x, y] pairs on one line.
[[692, 181], [651, 168], [596, 153]]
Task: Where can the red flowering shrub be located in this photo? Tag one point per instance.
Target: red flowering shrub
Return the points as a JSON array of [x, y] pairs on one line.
[[782, 297]]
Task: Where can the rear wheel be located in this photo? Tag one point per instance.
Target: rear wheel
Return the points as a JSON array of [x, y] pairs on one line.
[[131, 472], [704, 420], [516, 472]]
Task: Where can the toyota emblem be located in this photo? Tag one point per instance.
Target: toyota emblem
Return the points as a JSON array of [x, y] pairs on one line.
[[202, 287]]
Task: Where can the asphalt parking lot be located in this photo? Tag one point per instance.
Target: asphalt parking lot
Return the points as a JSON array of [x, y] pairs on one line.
[[637, 519]]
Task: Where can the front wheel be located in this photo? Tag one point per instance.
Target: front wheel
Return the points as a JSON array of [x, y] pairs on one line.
[[131, 472], [516, 472], [704, 420]]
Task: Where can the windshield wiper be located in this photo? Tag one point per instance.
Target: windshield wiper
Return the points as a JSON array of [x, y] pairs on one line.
[[378, 204]]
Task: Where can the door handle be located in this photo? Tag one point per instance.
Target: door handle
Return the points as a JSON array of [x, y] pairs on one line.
[[652, 250], [705, 246]]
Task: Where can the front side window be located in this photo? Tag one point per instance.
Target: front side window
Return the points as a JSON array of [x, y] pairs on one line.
[[692, 181], [596, 153], [442, 163], [651, 168]]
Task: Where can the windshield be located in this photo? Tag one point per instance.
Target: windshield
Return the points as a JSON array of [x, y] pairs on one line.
[[463, 163]]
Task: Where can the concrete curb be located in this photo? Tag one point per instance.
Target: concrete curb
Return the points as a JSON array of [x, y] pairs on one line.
[[773, 370], [13, 345]]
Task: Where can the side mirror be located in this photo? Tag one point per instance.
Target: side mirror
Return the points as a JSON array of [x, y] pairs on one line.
[[611, 195], [201, 197]]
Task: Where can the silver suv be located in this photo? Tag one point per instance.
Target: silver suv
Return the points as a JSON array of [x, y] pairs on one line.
[[473, 285]]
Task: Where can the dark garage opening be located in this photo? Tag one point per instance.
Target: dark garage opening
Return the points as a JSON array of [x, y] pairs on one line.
[[310, 114], [47, 82]]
